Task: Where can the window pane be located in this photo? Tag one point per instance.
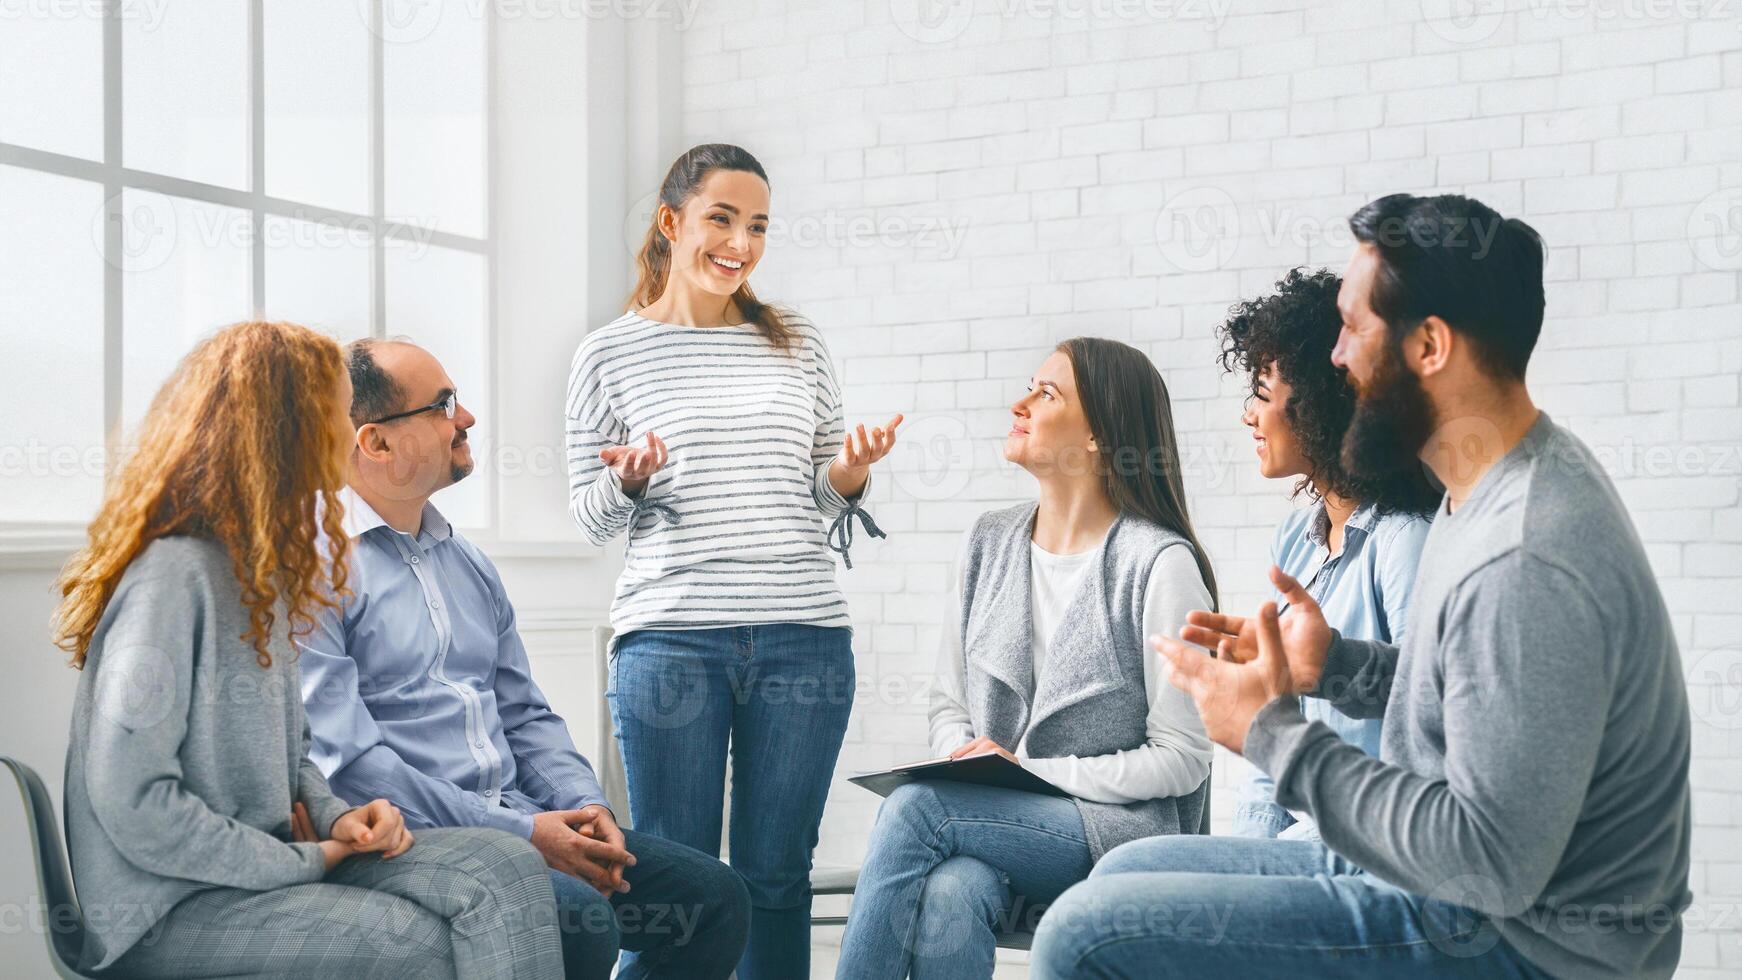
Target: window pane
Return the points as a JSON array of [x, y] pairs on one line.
[[51, 377], [51, 78], [317, 103], [187, 272], [434, 102], [185, 92], [318, 275], [437, 297]]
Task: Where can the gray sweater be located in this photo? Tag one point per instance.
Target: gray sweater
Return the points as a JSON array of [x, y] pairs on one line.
[[186, 755], [1534, 756]]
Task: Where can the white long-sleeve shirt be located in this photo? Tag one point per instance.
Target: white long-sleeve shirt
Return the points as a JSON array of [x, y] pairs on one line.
[[1176, 756]]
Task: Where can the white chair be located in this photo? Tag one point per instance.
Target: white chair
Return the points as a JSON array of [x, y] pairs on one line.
[[64, 928]]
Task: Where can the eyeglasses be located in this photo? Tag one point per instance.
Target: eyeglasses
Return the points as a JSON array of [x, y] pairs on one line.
[[447, 404]]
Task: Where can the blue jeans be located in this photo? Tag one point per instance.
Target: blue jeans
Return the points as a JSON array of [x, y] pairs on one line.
[[777, 696], [950, 866], [1234, 906], [685, 914]]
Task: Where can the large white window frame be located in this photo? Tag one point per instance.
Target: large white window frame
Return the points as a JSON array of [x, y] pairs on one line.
[[52, 539]]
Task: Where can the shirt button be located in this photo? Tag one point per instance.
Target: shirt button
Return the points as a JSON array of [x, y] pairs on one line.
[[479, 743], [414, 559], [489, 792], [435, 604]]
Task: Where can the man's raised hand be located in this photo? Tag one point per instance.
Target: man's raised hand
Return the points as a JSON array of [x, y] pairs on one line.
[[1305, 635], [1229, 693]]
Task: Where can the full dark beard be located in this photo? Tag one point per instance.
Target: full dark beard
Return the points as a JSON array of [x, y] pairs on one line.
[[1392, 421]]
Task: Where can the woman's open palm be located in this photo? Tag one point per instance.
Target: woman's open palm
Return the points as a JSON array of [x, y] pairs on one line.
[[634, 465], [859, 453]]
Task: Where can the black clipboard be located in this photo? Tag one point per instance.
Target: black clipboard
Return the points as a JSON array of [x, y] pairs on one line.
[[988, 769]]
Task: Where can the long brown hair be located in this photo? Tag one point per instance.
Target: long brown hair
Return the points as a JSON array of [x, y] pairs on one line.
[[653, 262], [238, 448], [1129, 412]]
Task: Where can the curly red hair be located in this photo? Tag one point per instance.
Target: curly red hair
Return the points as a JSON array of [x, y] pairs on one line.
[[239, 447]]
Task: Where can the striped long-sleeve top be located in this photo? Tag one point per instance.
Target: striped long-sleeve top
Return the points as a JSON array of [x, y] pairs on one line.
[[731, 531]]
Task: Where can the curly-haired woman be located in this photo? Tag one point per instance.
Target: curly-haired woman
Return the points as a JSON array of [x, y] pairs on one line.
[[203, 840], [1356, 548]]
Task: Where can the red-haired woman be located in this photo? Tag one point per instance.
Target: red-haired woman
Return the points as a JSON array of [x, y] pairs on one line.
[[204, 842]]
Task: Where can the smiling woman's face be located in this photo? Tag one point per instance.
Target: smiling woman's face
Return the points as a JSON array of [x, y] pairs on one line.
[[1048, 428], [1278, 452], [719, 234]]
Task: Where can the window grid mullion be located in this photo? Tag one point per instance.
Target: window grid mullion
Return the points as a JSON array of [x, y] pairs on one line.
[[493, 485], [113, 283], [257, 150], [377, 171], [116, 179]]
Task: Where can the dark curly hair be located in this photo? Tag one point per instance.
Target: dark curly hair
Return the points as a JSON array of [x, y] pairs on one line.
[[1295, 329]]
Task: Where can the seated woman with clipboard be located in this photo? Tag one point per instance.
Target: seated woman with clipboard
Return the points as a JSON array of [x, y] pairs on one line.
[[1046, 666]]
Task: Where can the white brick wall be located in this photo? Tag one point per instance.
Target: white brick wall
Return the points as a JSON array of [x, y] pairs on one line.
[[1066, 147]]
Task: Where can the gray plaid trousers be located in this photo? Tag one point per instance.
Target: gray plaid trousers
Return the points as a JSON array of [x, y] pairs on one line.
[[463, 902]]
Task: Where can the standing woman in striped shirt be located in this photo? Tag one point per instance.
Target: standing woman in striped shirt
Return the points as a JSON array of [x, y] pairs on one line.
[[708, 425]]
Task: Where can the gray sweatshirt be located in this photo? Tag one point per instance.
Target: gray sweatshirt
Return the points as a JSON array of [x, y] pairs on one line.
[[186, 755], [1534, 758]]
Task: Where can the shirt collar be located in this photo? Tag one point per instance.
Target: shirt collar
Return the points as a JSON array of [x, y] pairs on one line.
[[360, 518], [1363, 519], [1319, 524]]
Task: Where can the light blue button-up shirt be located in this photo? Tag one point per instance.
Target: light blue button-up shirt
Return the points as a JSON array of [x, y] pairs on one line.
[[418, 690], [1364, 590]]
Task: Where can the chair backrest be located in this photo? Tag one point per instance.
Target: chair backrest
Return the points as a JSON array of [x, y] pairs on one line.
[[64, 923], [608, 761], [1204, 816]]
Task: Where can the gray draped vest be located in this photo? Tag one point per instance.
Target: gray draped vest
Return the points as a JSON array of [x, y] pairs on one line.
[[1090, 699]]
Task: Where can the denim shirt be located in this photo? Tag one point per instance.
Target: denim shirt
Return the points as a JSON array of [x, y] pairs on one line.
[[1364, 591], [419, 689]]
